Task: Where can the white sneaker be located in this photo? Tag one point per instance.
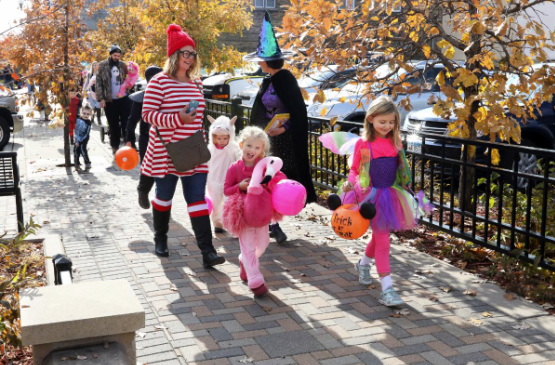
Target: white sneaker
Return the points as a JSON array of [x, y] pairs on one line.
[[390, 298], [364, 274]]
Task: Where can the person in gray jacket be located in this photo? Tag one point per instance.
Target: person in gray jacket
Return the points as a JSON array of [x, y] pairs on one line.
[[111, 75]]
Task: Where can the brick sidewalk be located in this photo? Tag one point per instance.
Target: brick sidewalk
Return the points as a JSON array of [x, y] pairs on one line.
[[316, 313]]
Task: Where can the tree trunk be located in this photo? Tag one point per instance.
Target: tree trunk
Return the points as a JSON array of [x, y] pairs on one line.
[[65, 99], [468, 154], [467, 175]]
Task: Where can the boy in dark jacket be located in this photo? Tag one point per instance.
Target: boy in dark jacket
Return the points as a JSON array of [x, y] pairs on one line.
[[82, 133]]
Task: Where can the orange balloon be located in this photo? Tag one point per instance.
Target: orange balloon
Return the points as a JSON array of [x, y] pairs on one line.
[[126, 158], [347, 222]]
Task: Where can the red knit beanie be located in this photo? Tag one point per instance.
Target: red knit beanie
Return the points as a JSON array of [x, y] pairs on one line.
[[177, 39]]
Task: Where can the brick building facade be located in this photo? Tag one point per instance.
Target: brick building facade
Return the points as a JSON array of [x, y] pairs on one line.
[[249, 41]]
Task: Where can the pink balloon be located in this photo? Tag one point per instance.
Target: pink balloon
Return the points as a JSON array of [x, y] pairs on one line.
[[208, 203], [289, 197]]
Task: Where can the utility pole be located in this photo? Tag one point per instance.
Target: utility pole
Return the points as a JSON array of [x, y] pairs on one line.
[[66, 83]]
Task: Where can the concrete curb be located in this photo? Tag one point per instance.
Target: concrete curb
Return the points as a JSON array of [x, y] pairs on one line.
[[52, 245]]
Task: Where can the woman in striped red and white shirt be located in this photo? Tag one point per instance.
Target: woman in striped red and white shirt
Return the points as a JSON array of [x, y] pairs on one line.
[[166, 100]]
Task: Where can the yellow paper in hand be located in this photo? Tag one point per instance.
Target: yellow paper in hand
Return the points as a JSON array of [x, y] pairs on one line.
[[275, 122]]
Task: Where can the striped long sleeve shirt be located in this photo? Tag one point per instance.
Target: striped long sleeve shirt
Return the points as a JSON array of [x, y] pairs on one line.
[[163, 100]]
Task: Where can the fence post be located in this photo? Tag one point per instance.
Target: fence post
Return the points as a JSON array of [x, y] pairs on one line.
[[237, 110]]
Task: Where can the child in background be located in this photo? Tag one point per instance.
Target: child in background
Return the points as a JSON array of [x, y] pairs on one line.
[[224, 151], [255, 144], [74, 105], [82, 133], [380, 160]]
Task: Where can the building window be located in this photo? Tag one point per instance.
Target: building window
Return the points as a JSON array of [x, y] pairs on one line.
[[347, 4], [265, 4], [396, 8]]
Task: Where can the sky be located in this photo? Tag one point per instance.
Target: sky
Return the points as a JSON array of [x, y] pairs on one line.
[[9, 11]]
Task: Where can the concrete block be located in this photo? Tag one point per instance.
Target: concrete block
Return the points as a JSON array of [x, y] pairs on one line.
[[87, 313], [83, 310]]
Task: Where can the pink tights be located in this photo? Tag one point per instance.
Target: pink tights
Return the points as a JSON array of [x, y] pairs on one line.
[[378, 248], [253, 242]]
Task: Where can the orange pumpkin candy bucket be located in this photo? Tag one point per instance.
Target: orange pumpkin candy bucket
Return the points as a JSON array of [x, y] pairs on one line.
[[349, 221]]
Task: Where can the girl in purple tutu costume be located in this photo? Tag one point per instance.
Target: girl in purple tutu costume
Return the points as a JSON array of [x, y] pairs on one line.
[[379, 174]]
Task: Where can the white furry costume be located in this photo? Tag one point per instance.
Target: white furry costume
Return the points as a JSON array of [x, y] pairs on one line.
[[219, 163]]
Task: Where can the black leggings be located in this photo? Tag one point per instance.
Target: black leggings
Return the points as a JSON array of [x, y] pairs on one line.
[[98, 113]]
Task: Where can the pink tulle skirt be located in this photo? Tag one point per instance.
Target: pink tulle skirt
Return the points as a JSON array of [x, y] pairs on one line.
[[233, 218]]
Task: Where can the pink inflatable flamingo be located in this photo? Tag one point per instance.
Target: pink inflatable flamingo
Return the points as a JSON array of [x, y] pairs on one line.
[[258, 209], [255, 208]]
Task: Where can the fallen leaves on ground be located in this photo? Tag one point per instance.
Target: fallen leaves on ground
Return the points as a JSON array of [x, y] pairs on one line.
[[472, 293], [487, 314], [522, 326], [446, 289], [433, 298], [509, 296], [476, 321], [400, 313], [266, 309], [160, 327]]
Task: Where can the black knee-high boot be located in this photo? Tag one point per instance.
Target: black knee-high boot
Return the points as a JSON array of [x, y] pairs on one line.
[[144, 187], [161, 227], [203, 234]]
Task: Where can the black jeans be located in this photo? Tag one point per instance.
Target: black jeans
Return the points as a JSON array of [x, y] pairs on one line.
[[81, 150], [117, 113]]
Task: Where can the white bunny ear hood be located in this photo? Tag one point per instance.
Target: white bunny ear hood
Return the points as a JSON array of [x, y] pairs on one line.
[[222, 126]]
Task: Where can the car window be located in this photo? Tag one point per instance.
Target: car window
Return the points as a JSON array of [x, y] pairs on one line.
[[337, 80], [315, 78]]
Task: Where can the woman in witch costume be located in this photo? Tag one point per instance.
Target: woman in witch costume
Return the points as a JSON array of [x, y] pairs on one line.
[[280, 94]]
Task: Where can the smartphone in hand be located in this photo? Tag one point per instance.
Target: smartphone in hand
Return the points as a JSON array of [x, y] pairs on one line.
[[193, 105]]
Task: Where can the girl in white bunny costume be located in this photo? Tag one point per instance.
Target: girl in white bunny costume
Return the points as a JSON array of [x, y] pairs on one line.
[[224, 152]]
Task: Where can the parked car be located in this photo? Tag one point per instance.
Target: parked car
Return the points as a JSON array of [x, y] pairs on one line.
[[10, 119], [226, 86], [538, 132], [350, 103]]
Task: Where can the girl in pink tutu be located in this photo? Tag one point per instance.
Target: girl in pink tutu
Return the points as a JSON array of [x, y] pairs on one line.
[[379, 174], [244, 184]]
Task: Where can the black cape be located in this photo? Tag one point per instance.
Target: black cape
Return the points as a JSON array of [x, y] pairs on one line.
[[288, 91]]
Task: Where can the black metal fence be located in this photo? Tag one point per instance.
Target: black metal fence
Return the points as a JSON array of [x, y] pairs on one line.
[[511, 207]]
